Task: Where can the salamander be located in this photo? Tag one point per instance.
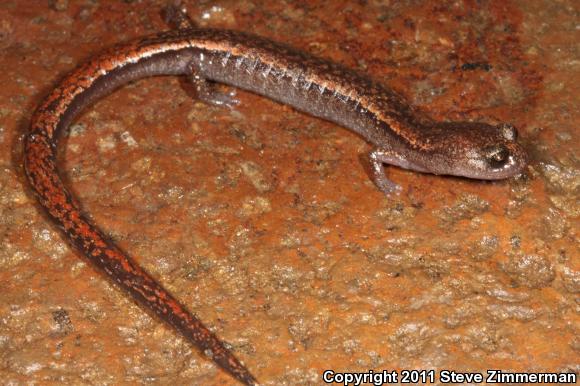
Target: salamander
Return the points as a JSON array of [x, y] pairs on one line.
[[400, 134]]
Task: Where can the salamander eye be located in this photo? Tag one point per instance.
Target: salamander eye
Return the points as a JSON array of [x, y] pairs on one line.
[[508, 132], [497, 156]]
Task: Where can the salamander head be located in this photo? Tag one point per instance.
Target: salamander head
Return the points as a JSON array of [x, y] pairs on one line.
[[479, 150]]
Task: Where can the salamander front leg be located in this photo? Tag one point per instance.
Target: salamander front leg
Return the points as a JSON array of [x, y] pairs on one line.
[[207, 91], [378, 158]]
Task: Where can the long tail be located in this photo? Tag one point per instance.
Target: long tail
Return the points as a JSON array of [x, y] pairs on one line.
[[55, 114]]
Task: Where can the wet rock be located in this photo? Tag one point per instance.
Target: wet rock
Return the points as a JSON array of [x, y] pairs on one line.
[[532, 271]]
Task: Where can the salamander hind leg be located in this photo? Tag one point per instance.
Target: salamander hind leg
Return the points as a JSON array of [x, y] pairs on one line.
[[206, 90], [175, 15]]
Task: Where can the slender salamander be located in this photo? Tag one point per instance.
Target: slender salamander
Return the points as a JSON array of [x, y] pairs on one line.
[[400, 135]]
